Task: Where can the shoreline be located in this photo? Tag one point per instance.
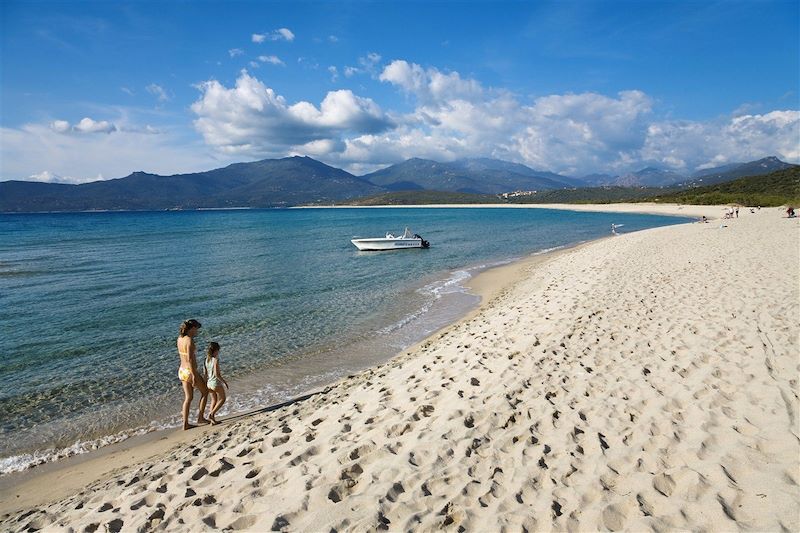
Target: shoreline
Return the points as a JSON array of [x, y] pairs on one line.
[[64, 476], [487, 285], [155, 428], [688, 210], [641, 207], [498, 287]]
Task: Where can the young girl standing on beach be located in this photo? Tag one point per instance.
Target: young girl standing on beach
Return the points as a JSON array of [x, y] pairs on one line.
[[215, 381]]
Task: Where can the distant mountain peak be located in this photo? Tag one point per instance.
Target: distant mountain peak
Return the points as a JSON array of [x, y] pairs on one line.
[[770, 160], [733, 171]]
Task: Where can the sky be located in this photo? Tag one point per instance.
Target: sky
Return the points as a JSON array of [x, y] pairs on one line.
[[97, 90]]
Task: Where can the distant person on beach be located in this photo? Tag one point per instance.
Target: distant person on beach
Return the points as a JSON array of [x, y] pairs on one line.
[[790, 212], [215, 381], [188, 374]]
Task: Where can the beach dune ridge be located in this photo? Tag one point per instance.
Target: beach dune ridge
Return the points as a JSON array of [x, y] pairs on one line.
[[642, 382]]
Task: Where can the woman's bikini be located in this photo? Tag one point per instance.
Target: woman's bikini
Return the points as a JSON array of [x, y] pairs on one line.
[[184, 373]]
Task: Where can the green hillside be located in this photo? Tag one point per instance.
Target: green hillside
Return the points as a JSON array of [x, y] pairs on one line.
[[425, 198], [781, 187], [589, 195]]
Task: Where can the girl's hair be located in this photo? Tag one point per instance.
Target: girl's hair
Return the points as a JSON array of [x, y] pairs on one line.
[[212, 349], [187, 325]]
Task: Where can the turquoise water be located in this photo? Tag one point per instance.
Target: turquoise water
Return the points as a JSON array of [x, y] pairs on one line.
[[90, 304]]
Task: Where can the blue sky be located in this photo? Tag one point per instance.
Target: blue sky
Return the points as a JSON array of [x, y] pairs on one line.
[[96, 90]]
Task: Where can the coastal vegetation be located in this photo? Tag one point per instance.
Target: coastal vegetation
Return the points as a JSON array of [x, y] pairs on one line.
[[781, 187], [427, 198], [589, 195]]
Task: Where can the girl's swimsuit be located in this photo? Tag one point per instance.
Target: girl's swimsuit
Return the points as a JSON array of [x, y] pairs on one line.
[[185, 374], [211, 372]]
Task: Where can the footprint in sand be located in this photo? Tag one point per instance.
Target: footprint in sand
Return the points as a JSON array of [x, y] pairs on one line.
[[277, 441], [305, 456], [394, 492], [615, 516]]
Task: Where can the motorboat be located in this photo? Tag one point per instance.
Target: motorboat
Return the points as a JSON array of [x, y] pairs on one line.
[[390, 242]]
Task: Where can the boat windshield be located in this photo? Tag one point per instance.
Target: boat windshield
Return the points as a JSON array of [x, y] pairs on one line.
[[407, 234]]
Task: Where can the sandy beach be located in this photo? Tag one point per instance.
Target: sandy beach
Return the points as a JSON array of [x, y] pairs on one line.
[[647, 381]]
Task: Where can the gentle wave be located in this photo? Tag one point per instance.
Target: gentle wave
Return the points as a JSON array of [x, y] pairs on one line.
[[236, 406], [18, 463]]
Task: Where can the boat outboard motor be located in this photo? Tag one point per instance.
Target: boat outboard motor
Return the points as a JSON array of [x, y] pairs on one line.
[[425, 244]]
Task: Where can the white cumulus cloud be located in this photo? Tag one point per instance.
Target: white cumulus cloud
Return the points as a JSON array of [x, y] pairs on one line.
[[273, 60], [577, 132], [285, 33], [252, 119], [86, 125], [281, 34], [431, 83]]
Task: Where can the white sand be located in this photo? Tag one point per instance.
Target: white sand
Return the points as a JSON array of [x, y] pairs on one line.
[[710, 211], [647, 381]]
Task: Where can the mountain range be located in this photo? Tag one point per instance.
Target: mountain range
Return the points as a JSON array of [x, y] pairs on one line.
[[303, 180], [480, 176], [266, 183], [713, 176], [655, 177]]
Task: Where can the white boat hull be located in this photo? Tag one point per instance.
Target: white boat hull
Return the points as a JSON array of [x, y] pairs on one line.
[[381, 244]]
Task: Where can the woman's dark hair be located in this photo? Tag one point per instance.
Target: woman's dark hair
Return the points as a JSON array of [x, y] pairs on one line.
[[213, 348], [187, 325]]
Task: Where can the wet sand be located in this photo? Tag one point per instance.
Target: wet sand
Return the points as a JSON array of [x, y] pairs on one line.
[[645, 381]]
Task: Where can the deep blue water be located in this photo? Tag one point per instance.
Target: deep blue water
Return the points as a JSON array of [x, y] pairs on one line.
[[90, 303]]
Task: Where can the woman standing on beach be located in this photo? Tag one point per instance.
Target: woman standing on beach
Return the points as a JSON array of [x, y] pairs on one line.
[[188, 374]]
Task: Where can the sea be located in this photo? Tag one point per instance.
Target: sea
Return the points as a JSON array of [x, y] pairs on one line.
[[90, 305]]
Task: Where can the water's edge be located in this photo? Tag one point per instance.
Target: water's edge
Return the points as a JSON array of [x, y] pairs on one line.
[[459, 281], [450, 285]]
